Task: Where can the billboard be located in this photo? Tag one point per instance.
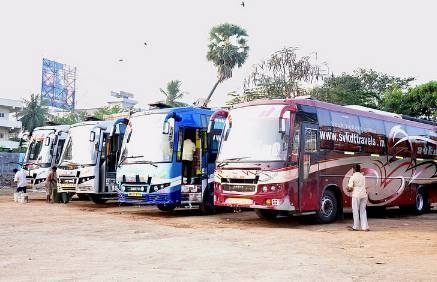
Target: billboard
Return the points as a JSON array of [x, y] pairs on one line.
[[58, 87]]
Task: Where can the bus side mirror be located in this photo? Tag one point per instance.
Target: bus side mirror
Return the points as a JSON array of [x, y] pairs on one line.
[[166, 128], [282, 125], [210, 126], [47, 141], [92, 136]]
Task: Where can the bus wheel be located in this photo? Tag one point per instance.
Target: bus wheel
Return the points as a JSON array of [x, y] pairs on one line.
[[97, 199], [166, 208], [207, 205], [421, 202], [266, 214], [328, 207], [64, 198]]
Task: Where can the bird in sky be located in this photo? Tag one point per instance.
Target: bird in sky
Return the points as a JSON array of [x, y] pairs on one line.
[[120, 60], [145, 43], [242, 4]]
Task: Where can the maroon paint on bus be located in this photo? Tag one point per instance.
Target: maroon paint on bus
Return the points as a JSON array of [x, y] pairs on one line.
[[395, 162]]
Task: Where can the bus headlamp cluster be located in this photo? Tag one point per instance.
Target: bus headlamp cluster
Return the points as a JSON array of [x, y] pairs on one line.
[[39, 180], [157, 187], [269, 188], [85, 179]]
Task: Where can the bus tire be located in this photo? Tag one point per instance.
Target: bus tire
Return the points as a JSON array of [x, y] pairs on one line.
[[65, 198], [207, 205], [328, 207], [421, 204], [266, 214], [166, 208], [97, 199]]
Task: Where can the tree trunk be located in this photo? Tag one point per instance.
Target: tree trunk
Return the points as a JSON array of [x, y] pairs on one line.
[[210, 93]]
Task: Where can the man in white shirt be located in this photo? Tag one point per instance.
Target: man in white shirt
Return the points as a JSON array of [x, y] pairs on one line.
[[20, 179], [357, 184], [187, 157]]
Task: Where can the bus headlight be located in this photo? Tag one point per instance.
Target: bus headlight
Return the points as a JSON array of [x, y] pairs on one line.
[[265, 188]]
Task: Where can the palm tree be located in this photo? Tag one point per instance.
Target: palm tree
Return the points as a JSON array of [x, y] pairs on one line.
[[33, 114], [173, 93], [227, 48]]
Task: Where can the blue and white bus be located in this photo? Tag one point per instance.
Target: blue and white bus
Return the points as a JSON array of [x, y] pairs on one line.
[[151, 170]]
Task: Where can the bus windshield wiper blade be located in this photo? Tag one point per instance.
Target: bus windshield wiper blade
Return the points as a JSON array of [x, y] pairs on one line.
[[128, 157], [146, 162], [226, 161], [70, 162]]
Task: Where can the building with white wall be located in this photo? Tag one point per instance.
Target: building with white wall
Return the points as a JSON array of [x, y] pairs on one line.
[[9, 126]]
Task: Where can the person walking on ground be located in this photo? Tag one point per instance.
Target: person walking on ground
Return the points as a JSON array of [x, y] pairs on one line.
[[20, 179], [51, 185], [357, 185], [187, 157]]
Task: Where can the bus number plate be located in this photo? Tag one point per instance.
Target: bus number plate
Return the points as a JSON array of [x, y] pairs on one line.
[[239, 201], [134, 194]]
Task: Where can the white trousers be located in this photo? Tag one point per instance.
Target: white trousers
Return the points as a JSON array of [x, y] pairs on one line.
[[359, 213]]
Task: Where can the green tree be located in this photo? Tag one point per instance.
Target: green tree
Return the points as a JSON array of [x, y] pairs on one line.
[[282, 75], [362, 87], [419, 101], [33, 114], [227, 48], [173, 93], [71, 118], [103, 112]]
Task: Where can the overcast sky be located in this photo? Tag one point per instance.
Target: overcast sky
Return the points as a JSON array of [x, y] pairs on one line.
[[396, 37]]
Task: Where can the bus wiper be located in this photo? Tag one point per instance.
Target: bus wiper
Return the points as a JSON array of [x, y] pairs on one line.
[[226, 161], [70, 162], [128, 157], [147, 162]]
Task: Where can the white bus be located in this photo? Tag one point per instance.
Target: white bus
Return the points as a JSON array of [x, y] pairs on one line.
[[89, 160], [45, 147]]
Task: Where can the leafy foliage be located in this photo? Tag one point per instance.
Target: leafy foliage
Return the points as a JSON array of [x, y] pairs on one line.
[[363, 87], [173, 93], [103, 112], [281, 76], [227, 48], [420, 101], [71, 118], [33, 114]]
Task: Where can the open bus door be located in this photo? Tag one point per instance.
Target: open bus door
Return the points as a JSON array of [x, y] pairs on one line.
[[308, 167]]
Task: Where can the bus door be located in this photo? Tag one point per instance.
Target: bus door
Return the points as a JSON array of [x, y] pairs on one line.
[[308, 167], [194, 168]]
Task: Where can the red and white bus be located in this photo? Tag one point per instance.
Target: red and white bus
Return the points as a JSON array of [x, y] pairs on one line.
[[296, 156]]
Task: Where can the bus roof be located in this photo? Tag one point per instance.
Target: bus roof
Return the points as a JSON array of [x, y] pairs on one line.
[[355, 110]]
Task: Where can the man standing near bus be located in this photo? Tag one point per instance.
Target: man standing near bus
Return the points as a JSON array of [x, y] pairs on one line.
[[357, 185], [20, 179], [187, 157]]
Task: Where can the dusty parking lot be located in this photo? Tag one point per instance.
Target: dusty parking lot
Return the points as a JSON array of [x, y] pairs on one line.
[[84, 241]]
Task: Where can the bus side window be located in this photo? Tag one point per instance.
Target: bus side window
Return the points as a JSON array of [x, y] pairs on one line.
[[295, 147], [180, 144], [310, 140], [215, 139]]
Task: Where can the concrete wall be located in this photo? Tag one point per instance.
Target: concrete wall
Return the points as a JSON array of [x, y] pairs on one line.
[[9, 161]]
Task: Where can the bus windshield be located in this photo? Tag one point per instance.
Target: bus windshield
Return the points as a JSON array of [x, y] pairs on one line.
[[252, 134], [39, 152], [79, 149], [145, 142]]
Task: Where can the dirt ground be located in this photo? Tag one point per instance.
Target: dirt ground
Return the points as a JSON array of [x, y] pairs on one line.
[[84, 241]]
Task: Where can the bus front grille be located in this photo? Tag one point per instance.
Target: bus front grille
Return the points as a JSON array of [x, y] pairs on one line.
[[239, 188]]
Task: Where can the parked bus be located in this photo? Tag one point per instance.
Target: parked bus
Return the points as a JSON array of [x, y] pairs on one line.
[[151, 170], [296, 156], [43, 152], [89, 160]]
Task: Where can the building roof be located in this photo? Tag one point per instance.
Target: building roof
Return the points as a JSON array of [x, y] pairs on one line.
[[11, 104]]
